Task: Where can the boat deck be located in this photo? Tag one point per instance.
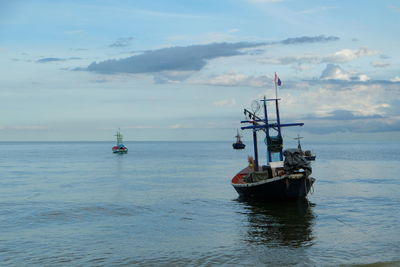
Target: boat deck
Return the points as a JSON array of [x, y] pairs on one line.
[[239, 178]]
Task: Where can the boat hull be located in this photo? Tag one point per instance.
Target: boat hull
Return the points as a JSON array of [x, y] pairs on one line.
[[309, 158], [120, 150], [238, 145], [276, 188]]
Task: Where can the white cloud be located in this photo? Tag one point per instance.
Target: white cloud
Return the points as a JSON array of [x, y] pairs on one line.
[[346, 55], [363, 78], [335, 72], [236, 79], [360, 99], [380, 64], [341, 56], [315, 10], [395, 79], [395, 8], [225, 102]]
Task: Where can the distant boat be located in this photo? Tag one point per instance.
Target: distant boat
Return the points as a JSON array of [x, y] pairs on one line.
[[120, 148], [279, 179], [308, 155], [238, 144]]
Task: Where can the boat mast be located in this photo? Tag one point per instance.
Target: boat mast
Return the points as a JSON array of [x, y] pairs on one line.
[[274, 143], [278, 119], [255, 150], [266, 123], [298, 141], [237, 136], [119, 137]]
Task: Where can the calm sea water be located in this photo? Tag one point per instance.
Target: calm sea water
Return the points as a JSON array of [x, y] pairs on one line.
[[171, 204]]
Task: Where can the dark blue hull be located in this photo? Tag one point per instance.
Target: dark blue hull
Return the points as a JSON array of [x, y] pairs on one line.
[[276, 188], [238, 145], [309, 158]]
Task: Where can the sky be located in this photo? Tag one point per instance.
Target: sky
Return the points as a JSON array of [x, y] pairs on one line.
[[183, 70]]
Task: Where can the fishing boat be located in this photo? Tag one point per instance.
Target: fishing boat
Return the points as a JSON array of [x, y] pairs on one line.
[[120, 148], [238, 144], [308, 155], [280, 178]]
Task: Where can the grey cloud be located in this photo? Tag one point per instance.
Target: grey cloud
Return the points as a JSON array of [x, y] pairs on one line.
[[186, 58], [287, 60], [54, 59], [309, 39], [236, 79], [355, 126], [343, 115], [189, 58], [171, 77], [341, 83], [49, 59], [78, 49], [122, 42], [380, 64], [341, 56]]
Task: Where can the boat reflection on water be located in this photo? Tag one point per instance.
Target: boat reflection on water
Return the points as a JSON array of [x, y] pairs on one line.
[[280, 223]]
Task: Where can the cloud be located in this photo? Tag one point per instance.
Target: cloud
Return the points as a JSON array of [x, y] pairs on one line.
[[171, 76], [395, 8], [187, 58], [236, 79], [308, 39], [315, 10], [380, 64], [395, 79], [335, 72], [78, 49], [377, 125], [122, 42], [346, 55], [345, 106], [361, 99], [225, 102], [344, 115], [49, 59], [55, 59], [178, 58], [341, 56]]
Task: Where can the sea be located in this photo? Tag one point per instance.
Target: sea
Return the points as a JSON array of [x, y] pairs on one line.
[[172, 204]]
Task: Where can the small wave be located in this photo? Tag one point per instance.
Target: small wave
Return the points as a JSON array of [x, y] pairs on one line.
[[376, 181], [81, 213]]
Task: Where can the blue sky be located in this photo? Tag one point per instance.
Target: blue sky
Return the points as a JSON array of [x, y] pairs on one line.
[[184, 70]]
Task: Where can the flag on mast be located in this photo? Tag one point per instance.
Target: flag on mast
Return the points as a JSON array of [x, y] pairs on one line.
[[277, 80]]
